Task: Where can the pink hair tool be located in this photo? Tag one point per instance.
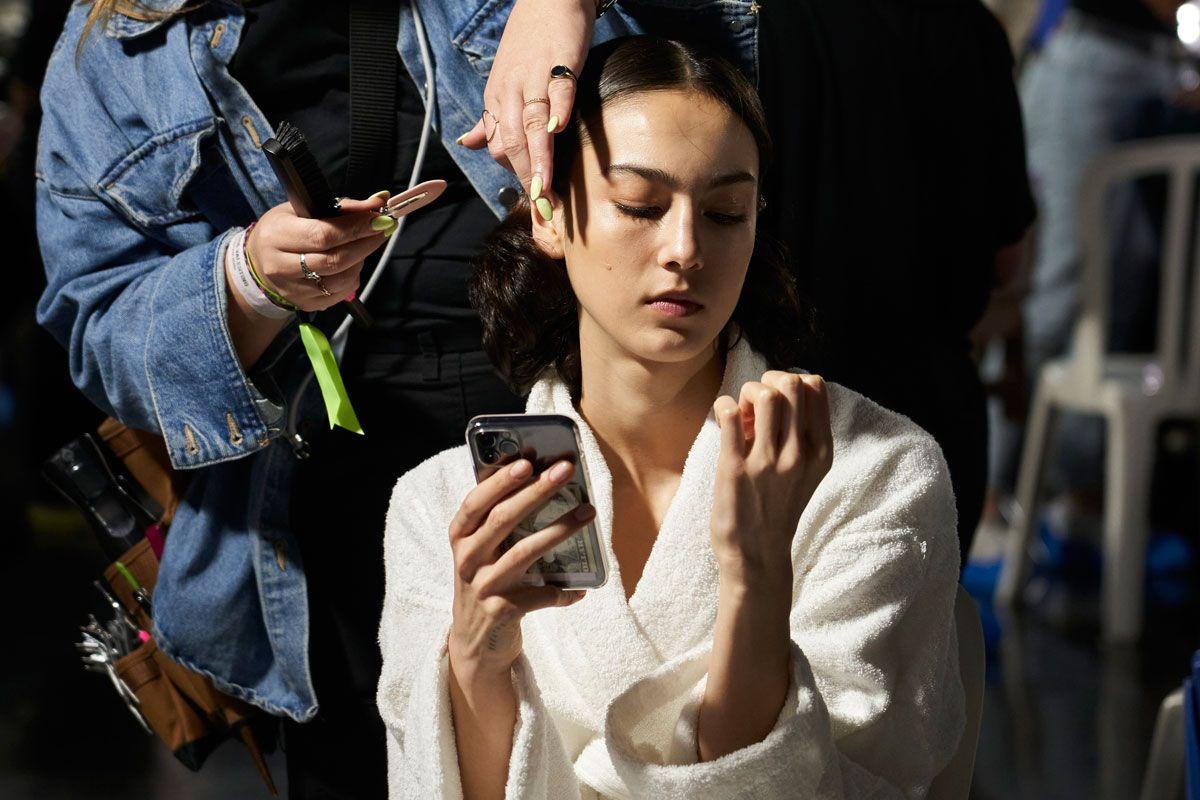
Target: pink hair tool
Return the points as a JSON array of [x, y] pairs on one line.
[[410, 200]]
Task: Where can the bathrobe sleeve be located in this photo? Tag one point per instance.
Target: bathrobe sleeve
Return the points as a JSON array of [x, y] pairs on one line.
[[874, 708], [414, 689]]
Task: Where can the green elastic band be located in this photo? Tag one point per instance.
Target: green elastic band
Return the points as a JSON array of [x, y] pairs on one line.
[[127, 575], [271, 294], [333, 391]]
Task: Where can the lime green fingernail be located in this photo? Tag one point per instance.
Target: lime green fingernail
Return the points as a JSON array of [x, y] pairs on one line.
[[535, 188], [383, 223], [552, 124], [460, 138], [543, 207]]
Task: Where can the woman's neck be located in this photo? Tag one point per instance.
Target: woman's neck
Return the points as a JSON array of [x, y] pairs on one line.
[[645, 414]]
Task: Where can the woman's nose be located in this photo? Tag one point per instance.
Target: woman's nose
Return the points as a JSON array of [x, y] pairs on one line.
[[681, 250]]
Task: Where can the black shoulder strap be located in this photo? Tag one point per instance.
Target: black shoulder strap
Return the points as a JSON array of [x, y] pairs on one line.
[[374, 29]]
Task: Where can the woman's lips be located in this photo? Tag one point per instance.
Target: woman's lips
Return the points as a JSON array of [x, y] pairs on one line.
[[675, 305]]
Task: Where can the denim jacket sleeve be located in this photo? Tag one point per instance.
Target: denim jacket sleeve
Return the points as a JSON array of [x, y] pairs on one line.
[[134, 266]]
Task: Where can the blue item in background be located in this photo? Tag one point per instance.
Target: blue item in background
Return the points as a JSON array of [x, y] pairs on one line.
[[1047, 21]]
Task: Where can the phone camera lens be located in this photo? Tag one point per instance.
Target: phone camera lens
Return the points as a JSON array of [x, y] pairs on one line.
[[508, 447]]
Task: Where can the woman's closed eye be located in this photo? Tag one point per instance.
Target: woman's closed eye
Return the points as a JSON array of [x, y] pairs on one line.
[[650, 213], [638, 211]]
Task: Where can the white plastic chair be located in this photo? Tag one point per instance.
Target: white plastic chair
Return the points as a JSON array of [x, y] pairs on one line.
[[1132, 392], [1164, 769], [954, 782]]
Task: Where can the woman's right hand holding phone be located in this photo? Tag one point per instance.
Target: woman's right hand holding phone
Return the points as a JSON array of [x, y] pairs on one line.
[[489, 596], [489, 602]]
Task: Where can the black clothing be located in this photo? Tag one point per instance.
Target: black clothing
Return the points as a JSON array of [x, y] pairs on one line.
[[294, 60], [900, 171], [415, 380]]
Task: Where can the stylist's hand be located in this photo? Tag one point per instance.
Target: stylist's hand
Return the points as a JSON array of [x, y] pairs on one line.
[[489, 599], [776, 446], [539, 35], [334, 248]]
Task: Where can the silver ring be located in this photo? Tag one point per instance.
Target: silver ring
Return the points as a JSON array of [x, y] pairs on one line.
[[309, 275]]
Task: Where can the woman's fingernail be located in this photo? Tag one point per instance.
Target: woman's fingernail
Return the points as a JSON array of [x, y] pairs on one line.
[[383, 223], [559, 472], [576, 597], [520, 469], [544, 208], [381, 193], [552, 124], [460, 138], [535, 188], [584, 512]]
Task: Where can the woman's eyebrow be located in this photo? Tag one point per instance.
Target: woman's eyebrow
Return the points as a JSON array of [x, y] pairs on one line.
[[656, 175]]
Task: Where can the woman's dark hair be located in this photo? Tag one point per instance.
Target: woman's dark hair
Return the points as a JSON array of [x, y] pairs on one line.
[[528, 309]]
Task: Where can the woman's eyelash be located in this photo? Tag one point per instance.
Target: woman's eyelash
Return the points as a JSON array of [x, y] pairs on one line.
[[726, 219], [639, 212], [651, 212]]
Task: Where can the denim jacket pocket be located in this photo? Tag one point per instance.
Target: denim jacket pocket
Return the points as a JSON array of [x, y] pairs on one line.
[[478, 35], [150, 182]]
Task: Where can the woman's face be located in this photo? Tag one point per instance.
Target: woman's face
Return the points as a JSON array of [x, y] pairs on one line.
[[658, 228]]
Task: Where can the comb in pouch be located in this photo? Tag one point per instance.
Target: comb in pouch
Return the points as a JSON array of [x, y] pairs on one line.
[[307, 188]]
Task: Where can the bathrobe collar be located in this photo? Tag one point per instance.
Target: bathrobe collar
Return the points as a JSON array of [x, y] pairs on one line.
[[673, 607]]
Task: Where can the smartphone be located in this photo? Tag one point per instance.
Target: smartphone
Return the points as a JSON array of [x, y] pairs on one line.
[[544, 439]]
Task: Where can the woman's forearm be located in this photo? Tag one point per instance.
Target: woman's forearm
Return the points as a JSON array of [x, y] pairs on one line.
[[485, 714], [251, 332], [749, 669]]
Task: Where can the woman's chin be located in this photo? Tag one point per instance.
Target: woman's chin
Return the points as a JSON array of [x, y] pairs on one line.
[[674, 344]]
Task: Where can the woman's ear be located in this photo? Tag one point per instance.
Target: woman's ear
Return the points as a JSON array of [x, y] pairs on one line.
[[548, 233]]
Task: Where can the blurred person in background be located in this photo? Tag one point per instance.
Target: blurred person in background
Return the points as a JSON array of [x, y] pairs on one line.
[[1109, 71], [903, 200]]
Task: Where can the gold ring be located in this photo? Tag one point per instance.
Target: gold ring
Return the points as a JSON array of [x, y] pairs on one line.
[[562, 71], [545, 100], [495, 125]]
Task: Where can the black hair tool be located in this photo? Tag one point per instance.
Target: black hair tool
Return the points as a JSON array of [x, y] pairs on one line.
[[307, 188]]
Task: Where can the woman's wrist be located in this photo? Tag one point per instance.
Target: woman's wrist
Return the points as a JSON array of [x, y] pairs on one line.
[[242, 278], [755, 577], [476, 678]]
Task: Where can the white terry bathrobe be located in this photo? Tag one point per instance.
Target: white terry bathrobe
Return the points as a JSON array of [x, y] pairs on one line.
[[609, 689]]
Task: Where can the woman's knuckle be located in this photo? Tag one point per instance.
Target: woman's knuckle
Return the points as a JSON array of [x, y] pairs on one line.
[[469, 508], [464, 569], [499, 518]]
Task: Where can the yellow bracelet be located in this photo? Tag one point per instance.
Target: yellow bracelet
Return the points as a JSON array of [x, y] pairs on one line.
[[271, 294]]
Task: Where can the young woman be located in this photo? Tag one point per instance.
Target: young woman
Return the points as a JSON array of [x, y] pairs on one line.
[[782, 555]]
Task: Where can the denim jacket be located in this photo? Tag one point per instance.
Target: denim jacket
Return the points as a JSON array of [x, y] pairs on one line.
[[148, 161]]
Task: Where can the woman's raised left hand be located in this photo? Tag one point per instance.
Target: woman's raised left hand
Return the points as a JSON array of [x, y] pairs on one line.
[[776, 447]]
